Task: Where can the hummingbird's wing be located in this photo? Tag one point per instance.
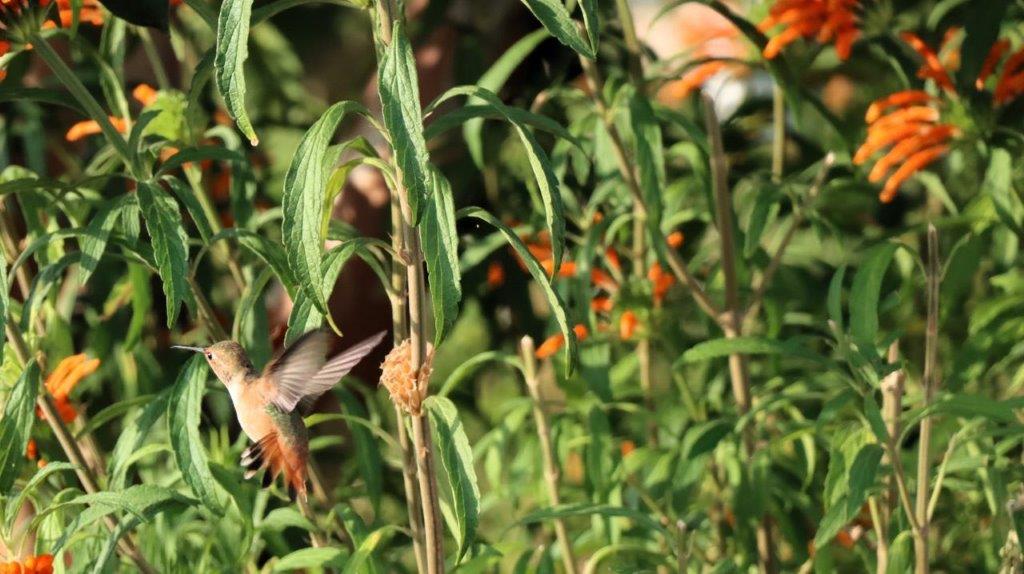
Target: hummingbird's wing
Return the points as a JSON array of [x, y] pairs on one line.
[[294, 368], [290, 391]]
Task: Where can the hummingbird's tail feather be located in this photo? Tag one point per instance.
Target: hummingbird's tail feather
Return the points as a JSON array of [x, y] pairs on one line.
[[278, 457]]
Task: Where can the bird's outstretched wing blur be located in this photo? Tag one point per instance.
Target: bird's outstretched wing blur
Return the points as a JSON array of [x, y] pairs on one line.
[[301, 374]]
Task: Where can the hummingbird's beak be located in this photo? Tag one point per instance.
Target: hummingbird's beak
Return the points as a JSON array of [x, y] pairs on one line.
[[196, 349]]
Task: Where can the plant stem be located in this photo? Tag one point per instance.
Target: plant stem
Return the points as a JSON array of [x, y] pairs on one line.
[[315, 538], [428, 493], [551, 472], [931, 384], [153, 55], [892, 407], [778, 132], [400, 326], [732, 321]]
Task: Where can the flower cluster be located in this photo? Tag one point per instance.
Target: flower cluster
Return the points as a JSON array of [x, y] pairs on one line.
[[63, 380], [552, 344], [826, 21], [908, 124], [41, 564]]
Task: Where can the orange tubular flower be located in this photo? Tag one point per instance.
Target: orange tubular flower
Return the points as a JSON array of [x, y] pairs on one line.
[[612, 257], [41, 564], [144, 94], [91, 127], [627, 325], [907, 121], [62, 381], [932, 68], [31, 450], [603, 280], [495, 275], [601, 304], [824, 20], [675, 239], [568, 268], [91, 13], [661, 282], [552, 344]]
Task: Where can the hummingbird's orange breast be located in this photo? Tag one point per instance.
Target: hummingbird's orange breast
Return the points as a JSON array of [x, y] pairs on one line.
[[250, 406]]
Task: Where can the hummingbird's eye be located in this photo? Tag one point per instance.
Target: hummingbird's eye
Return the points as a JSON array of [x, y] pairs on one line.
[[209, 355]]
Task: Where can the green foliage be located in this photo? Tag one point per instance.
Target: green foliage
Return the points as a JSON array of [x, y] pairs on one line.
[[610, 383]]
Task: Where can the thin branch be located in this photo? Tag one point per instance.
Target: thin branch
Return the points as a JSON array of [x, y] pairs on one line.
[[551, 472], [931, 383], [892, 406]]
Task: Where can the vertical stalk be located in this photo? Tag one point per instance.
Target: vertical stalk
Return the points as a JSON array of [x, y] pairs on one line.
[[401, 333], [416, 299], [731, 321], [892, 406], [778, 132], [551, 472], [930, 383], [315, 538]]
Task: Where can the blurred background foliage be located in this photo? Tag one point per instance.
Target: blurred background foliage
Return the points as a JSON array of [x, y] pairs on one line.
[[660, 469]]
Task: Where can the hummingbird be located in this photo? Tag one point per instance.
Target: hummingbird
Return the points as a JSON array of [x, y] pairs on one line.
[[269, 405]]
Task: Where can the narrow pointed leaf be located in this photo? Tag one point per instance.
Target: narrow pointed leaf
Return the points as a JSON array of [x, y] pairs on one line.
[[440, 249], [16, 425], [553, 15], [457, 459], [170, 244], [232, 51], [183, 409]]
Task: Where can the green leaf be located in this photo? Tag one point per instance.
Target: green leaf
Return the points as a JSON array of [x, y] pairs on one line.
[[862, 477], [400, 107], [835, 297], [303, 202], [367, 546], [183, 409], [717, 348], [368, 455], [592, 22], [142, 500], [440, 249], [553, 15], [649, 155], [14, 504], [457, 459], [232, 51], [865, 293], [538, 274], [16, 425], [95, 242], [998, 185], [285, 517], [170, 245], [42, 95], [540, 164], [41, 285], [493, 80], [765, 209], [151, 13], [874, 416], [311, 558], [5, 303]]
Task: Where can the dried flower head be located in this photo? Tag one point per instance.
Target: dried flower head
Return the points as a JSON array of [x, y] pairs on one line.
[[407, 387]]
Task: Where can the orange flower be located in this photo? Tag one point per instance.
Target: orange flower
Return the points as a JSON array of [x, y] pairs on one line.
[[495, 275], [824, 20], [612, 257], [31, 450], [627, 447], [144, 94], [932, 67], [907, 121], [41, 564], [675, 239], [90, 127], [709, 41], [601, 304], [603, 280], [62, 381], [41, 464], [568, 268], [661, 282], [552, 344], [627, 325], [91, 12]]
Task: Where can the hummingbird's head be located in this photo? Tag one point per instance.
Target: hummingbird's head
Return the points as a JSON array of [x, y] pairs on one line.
[[227, 359]]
